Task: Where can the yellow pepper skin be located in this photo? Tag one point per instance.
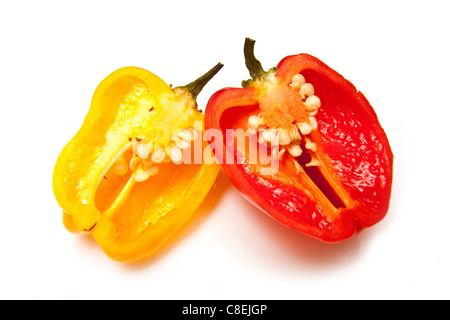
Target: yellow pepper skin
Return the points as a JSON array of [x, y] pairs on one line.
[[130, 220]]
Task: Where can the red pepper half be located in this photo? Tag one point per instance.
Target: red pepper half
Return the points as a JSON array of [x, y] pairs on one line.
[[334, 172]]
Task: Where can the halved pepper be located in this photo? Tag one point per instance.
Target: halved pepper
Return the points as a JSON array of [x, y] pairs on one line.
[[334, 164], [125, 177]]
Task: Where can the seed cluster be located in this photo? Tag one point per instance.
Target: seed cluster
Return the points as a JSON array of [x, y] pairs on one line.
[[289, 138], [147, 155]]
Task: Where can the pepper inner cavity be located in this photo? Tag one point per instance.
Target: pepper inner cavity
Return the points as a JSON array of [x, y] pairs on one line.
[[295, 138], [316, 176], [288, 137], [146, 155], [137, 161]]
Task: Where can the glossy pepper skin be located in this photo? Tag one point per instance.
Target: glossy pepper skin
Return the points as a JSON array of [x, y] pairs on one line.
[[130, 220], [349, 190]]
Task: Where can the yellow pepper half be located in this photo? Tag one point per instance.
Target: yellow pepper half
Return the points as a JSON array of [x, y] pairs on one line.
[[125, 177]]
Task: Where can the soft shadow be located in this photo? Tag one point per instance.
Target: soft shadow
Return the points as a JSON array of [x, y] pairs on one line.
[[292, 247], [219, 187], [87, 244], [87, 240]]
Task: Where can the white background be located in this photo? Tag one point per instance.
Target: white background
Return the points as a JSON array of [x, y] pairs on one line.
[[54, 54]]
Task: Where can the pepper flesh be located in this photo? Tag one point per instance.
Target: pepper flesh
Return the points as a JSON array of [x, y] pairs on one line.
[[347, 189], [130, 219]]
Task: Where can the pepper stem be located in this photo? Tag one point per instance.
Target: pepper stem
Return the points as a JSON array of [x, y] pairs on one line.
[[253, 65], [196, 86]]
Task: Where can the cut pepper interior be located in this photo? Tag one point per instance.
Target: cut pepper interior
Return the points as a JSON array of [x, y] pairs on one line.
[[132, 205], [284, 121], [128, 176], [145, 178]]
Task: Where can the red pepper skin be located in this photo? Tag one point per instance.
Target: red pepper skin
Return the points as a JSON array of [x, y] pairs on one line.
[[357, 158]]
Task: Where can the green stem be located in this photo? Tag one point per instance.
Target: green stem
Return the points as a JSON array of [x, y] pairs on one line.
[[197, 85], [253, 65]]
